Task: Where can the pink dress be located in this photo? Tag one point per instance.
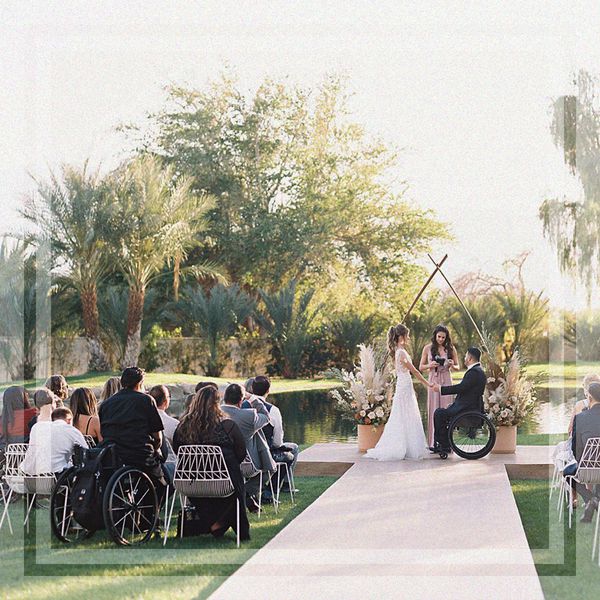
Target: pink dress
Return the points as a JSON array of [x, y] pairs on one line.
[[441, 376]]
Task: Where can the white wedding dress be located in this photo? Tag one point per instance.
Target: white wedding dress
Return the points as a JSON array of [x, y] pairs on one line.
[[403, 435]]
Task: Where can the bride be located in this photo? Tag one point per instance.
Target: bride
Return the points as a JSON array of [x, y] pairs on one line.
[[403, 435]]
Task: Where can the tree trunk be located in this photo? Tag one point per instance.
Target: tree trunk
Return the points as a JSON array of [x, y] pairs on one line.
[[91, 324], [176, 276], [135, 314]]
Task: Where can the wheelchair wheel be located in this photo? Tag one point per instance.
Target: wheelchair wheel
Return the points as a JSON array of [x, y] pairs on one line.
[[130, 507], [64, 526], [472, 435]]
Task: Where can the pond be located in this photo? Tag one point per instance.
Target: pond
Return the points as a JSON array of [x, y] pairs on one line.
[[311, 417]]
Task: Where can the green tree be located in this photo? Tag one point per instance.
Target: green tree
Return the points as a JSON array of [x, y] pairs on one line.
[[301, 191], [156, 218], [215, 315], [347, 331], [18, 301], [524, 316], [72, 211], [572, 223], [287, 318]]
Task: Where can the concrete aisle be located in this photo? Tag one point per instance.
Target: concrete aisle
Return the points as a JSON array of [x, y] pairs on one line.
[[417, 530]]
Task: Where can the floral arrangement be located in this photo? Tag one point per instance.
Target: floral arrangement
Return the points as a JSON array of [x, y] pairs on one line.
[[509, 396], [366, 395]]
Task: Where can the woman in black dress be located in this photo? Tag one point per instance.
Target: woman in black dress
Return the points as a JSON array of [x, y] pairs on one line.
[[205, 424]]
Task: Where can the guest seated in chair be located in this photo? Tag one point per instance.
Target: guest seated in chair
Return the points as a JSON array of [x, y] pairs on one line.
[[206, 424], [286, 452], [250, 421], [17, 413], [586, 425], [52, 443], [130, 420]]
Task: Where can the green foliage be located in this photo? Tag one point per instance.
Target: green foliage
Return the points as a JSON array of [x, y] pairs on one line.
[[18, 296], [571, 224], [524, 315], [215, 315], [287, 318], [346, 332], [300, 190], [583, 332]]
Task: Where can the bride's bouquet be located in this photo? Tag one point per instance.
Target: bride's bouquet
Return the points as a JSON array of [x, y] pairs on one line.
[[367, 390]]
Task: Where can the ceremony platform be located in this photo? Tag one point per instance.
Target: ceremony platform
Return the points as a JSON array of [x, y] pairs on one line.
[[429, 530]]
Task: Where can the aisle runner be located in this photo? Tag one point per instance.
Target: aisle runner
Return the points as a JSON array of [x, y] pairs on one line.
[[415, 530]]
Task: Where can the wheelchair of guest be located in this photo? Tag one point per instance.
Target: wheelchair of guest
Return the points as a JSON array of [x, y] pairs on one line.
[[127, 500], [471, 435]]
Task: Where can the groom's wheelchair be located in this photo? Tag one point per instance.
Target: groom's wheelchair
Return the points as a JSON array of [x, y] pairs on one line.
[[471, 435]]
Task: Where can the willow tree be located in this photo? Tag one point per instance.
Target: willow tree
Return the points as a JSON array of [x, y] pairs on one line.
[[156, 218], [572, 223], [72, 211]]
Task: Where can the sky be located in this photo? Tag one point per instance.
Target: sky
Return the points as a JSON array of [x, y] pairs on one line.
[[464, 89]]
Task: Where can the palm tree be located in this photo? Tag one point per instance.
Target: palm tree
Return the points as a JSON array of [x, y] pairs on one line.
[[156, 219], [287, 318], [18, 301], [216, 315], [524, 314], [72, 213], [348, 330]]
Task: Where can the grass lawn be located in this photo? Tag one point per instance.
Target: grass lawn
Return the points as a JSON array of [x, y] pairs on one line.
[[540, 439], [566, 570], [190, 568], [277, 385]]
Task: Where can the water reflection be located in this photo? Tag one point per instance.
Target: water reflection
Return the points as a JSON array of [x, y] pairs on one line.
[[311, 417]]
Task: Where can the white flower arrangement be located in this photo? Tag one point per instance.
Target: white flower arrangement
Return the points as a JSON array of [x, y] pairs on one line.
[[509, 396], [366, 395]]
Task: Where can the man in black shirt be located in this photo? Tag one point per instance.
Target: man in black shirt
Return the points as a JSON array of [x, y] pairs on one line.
[[130, 420]]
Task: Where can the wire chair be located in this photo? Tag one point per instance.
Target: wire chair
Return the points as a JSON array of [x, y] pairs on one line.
[[289, 477], [90, 441], [22, 483], [250, 470], [201, 472], [588, 472]]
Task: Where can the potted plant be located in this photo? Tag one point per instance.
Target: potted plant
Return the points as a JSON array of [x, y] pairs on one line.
[[509, 398], [365, 397]]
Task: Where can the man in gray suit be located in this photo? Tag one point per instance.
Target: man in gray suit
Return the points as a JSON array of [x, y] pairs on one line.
[[586, 425], [250, 421]]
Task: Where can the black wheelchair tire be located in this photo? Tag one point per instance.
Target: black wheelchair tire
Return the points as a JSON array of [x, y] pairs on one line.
[[57, 510], [115, 485], [483, 451]]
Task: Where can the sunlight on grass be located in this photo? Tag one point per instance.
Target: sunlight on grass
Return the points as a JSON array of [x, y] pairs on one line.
[[175, 571]]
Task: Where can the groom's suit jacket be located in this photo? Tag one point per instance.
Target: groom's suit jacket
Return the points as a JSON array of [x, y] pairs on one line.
[[469, 392]]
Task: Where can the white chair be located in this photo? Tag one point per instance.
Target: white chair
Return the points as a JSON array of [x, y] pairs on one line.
[[250, 470], [21, 483], [588, 472], [201, 472], [289, 477]]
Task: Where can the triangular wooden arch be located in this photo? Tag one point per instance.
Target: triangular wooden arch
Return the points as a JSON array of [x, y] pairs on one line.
[[438, 269]]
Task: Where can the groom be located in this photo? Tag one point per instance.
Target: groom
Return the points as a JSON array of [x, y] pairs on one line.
[[469, 396]]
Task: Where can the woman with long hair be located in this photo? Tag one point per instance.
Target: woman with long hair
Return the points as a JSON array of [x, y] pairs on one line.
[[111, 387], [440, 358], [403, 435], [16, 414], [57, 384], [85, 413], [204, 423]]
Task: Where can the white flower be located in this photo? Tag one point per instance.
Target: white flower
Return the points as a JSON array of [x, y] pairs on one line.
[[379, 412], [362, 413], [371, 415], [366, 406]]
